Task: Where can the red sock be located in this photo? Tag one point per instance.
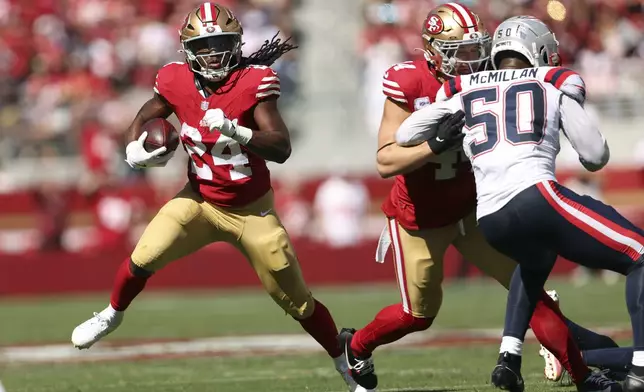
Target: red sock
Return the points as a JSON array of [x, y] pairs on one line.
[[321, 327], [126, 286], [389, 325], [550, 328]]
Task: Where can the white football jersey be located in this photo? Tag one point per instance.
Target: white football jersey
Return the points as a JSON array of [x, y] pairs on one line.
[[512, 124]]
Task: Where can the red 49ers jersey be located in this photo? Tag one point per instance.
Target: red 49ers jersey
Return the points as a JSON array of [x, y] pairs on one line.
[[443, 191], [224, 172]]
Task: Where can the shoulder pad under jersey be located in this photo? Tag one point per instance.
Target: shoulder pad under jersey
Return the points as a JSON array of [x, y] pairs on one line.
[[567, 81], [165, 77]]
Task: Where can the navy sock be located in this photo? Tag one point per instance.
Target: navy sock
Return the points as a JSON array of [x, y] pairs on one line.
[[616, 359]]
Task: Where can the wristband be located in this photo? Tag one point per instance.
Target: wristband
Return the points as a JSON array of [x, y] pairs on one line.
[[242, 134]]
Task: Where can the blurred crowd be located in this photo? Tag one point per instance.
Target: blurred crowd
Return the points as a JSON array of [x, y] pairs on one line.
[[601, 39], [74, 72]]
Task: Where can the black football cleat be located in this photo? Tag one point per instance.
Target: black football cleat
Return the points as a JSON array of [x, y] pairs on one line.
[[614, 374], [507, 373], [598, 382], [634, 382], [361, 368]]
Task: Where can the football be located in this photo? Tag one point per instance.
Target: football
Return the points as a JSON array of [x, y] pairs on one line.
[[160, 133]]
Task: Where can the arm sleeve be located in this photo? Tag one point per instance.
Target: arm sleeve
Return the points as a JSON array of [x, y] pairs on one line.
[[583, 134], [419, 126]]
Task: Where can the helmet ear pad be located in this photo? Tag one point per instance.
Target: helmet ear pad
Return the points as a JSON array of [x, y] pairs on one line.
[[545, 59]]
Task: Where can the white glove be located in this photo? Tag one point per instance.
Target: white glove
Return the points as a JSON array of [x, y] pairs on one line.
[[216, 119], [138, 158]]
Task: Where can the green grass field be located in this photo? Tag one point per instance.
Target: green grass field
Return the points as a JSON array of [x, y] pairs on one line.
[[475, 304]]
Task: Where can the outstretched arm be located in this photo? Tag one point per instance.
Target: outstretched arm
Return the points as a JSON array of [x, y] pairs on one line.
[[421, 125], [393, 159]]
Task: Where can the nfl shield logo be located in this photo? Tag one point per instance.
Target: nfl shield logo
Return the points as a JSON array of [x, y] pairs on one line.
[[204, 105]]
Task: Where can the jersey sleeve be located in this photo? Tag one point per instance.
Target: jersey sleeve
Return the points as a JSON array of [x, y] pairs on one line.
[[449, 89], [397, 84], [583, 134], [268, 86], [568, 82]]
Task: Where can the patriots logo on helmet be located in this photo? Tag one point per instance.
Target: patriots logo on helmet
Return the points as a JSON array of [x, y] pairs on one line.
[[434, 24]]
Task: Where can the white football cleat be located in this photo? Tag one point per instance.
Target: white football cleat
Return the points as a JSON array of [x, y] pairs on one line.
[[552, 369], [94, 329], [342, 368]]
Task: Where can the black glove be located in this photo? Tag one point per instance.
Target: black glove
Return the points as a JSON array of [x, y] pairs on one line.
[[448, 133]]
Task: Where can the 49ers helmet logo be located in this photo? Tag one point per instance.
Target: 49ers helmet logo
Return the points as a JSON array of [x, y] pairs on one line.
[[434, 24]]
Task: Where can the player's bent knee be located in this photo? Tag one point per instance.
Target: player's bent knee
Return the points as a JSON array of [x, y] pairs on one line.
[[296, 309], [428, 302], [138, 271], [420, 323], [428, 312], [143, 259], [141, 264]]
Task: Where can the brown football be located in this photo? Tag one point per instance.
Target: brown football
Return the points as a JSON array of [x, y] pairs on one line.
[[160, 133]]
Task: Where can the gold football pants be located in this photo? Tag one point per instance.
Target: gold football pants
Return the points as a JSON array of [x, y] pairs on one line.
[[187, 223], [419, 256]]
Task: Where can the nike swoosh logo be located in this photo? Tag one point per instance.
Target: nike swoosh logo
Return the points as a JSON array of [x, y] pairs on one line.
[[439, 139], [264, 213]]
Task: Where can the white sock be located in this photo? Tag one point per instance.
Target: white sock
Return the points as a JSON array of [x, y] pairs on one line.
[[109, 311], [511, 345], [638, 358]]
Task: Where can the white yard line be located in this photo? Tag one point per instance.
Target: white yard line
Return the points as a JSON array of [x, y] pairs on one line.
[[268, 344]]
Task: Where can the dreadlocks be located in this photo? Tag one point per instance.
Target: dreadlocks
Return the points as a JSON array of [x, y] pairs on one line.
[[269, 52]]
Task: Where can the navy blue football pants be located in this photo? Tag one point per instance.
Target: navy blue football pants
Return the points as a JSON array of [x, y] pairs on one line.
[[548, 219]]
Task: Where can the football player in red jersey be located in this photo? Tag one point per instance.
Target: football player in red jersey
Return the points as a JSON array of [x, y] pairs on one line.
[[230, 124], [431, 204]]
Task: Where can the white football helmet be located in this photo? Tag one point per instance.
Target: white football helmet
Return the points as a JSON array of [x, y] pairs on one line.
[[528, 36]]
